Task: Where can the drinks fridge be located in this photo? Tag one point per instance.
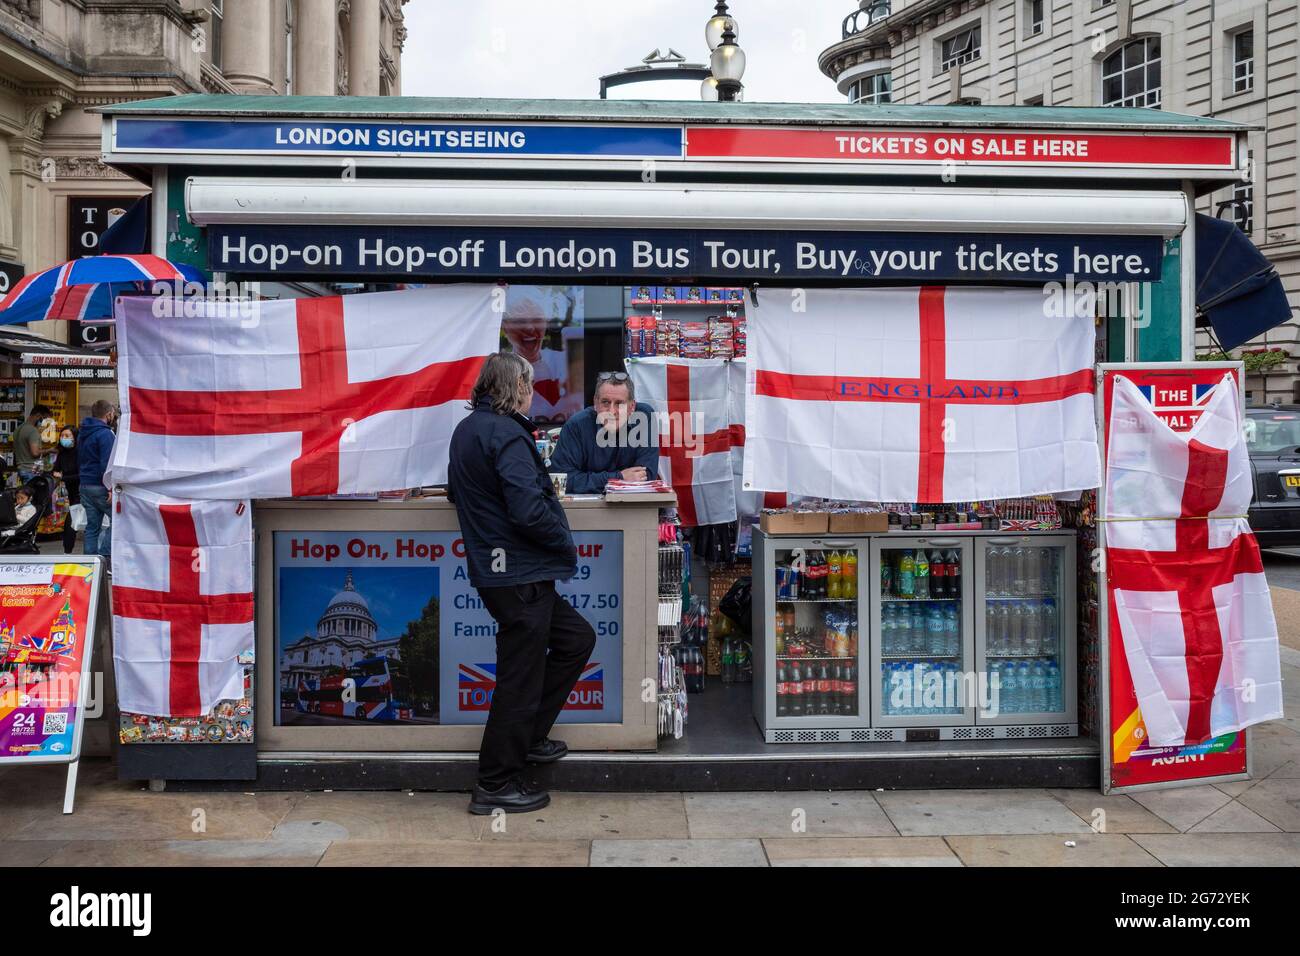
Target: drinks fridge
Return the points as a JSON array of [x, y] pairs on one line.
[[963, 635], [809, 594]]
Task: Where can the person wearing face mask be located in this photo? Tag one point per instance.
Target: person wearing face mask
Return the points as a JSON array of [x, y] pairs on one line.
[[615, 438], [28, 447], [68, 469], [95, 452]]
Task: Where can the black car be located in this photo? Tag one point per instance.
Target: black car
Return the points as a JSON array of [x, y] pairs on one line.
[[1273, 437]]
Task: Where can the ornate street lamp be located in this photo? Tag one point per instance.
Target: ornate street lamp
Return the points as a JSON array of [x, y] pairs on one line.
[[727, 61]]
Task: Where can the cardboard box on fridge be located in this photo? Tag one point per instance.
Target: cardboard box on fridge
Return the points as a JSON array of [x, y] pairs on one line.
[[794, 522], [859, 522]]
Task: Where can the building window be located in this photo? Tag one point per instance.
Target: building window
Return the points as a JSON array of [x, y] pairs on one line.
[[1035, 100], [1131, 75], [876, 88], [961, 47], [217, 14], [1243, 61], [1243, 209], [1033, 17]]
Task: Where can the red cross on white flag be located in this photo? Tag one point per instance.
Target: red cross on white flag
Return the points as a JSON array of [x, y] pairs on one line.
[[932, 394], [345, 394], [1187, 586], [182, 602]]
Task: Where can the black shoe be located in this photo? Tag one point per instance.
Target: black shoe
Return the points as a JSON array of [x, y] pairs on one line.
[[511, 797], [548, 751]]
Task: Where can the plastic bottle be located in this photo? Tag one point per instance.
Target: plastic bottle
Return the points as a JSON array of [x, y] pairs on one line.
[[906, 583], [1033, 634], [834, 578], [953, 575], [1004, 572], [1025, 685], [1055, 703], [1039, 674], [1050, 624], [922, 567], [728, 662], [991, 645], [951, 632], [1048, 571], [1033, 571], [886, 705], [1018, 572], [916, 638], [849, 575], [938, 575], [934, 631]]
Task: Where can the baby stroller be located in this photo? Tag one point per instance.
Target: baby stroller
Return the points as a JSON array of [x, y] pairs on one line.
[[23, 540]]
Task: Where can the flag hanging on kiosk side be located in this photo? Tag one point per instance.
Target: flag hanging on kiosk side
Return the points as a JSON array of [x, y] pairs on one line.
[[1186, 582], [697, 430], [927, 395], [335, 395], [182, 602]]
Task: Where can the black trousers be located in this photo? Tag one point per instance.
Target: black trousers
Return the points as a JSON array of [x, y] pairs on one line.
[[542, 646]]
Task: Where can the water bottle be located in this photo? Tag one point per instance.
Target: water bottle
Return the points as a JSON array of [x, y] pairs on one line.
[[885, 705], [991, 647], [951, 632], [1033, 629], [1033, 571], [1055, 702], [916, 643], [1010, 695], [1018, 572], [1040, 682], [1048, 571], [934, 631], [1025, 688], [1015, 622], [1049, 628]]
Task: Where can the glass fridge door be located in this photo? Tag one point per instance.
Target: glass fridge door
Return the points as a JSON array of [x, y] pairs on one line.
[[1025, 610], [922, 638], [815, 632]]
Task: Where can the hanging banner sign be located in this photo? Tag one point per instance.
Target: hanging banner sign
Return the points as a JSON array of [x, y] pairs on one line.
[[301, 138], [416, 251], [1034, 148], [1178, 392]]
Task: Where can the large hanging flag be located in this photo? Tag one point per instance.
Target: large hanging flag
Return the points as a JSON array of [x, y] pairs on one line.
[[182, 602], [1187, 586], [931, 394], [345, 394], [693, 409]]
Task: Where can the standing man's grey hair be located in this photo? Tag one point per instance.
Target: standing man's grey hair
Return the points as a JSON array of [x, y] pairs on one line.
[[101, 409], [507, 379]]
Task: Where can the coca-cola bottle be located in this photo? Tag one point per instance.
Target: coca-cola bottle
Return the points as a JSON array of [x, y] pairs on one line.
[[849, 695], [795, 691], [938, 575], [825, 700], [782, 690], [954, 576]]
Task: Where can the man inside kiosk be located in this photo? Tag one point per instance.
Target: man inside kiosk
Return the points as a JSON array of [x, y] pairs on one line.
[[614, 438]]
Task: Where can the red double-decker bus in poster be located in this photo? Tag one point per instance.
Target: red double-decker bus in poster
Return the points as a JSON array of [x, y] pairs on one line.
[[1178, 393]]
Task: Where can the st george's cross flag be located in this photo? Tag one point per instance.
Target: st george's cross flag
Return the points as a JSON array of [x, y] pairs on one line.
[[693, 412], [920, 394], [297, 397], [1185, 579], [182, 602]]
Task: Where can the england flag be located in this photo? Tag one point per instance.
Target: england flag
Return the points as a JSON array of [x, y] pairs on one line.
[[1186, 582], [182, 602], [336, 395], [920, 394]]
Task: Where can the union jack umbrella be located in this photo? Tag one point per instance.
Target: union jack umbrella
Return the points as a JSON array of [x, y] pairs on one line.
[[85, 288]]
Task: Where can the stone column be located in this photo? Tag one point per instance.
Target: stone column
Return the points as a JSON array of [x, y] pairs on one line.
[[249, 31], [363, 48], [314, 50]]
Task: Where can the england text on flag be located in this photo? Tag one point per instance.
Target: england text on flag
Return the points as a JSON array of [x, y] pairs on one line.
[[182, 602], [1186, 584], [305, 397], [930, 394]]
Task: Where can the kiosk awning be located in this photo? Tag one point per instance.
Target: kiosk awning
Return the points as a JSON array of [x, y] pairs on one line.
[[228, 200], [1237, 289]]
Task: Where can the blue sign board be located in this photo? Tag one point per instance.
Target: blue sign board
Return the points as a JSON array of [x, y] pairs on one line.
[[408, 252], [296, 137]]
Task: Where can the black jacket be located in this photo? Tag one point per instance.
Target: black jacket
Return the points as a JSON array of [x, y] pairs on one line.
[[504, 499], [589, 464]]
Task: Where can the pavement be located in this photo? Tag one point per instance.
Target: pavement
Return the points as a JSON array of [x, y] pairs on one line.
[[1248, 823]]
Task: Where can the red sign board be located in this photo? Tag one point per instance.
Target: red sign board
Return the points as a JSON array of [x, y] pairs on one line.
[[1082, 148], [1178, 392]]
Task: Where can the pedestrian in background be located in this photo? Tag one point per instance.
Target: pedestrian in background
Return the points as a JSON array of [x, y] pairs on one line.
[[96, 451], [68, 469]]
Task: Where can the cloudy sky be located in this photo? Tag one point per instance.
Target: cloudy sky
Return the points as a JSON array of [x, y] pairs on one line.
[[560, 48]]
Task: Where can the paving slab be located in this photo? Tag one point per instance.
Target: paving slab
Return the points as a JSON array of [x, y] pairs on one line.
[[457, 853], [1234, 818], [1120, 812], [16, 853], [1090, 849], [211, 852], [887, 851], [677, 853], [1222, 849], [784, 815], [1272, 746], [392, 817], [133, 813], [944, 812], [1183, 807], [592, 816], [1277, 800]]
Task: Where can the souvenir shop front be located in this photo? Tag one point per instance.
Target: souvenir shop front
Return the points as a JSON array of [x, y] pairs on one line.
[[651, 237]]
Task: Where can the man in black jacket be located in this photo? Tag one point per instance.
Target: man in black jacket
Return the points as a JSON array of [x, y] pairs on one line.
[[517, 545]]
